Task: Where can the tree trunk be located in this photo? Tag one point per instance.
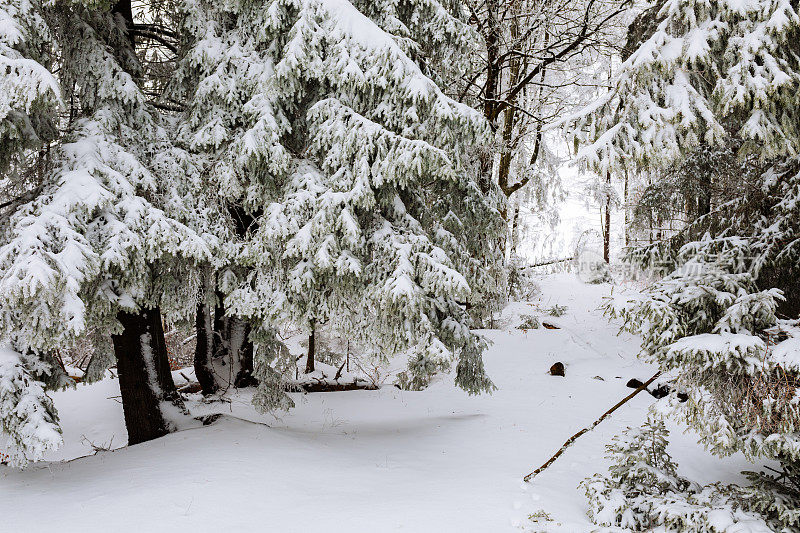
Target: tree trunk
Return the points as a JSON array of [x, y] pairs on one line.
[[491, 36], [625, 207], [310, 358], [124, 9], [239, 350], [245, 376], [607, 224], [509, 143], [704, 196], [145, 380], [204, 349], [223, 341], [226, 341], [513, 232]]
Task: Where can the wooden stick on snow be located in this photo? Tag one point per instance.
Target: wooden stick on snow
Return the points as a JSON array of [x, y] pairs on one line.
[[573, 438]]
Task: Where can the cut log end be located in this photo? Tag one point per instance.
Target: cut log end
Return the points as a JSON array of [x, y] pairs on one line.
[[557, 369]]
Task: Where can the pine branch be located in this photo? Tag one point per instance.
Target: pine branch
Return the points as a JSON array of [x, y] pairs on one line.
[[160, 39], [575, 437], [22, 199]]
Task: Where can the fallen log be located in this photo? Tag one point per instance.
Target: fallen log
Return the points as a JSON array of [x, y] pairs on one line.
[[191, 388], [336, 387], [575, 437], [546, 263]]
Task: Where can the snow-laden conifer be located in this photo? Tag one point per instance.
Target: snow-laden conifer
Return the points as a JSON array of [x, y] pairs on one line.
[[643, 491], [101, 235], [352, 164], [714, 73], [705, 62], [712, 329]]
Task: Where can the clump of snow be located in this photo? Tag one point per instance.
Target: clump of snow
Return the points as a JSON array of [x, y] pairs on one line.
[[787, 353]]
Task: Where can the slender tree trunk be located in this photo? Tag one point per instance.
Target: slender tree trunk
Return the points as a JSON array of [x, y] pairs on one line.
[[509, 144], [491, 37], [221, 339], [607, 224], [204, 349], [492, 40], [239, 348], [207, 335], [145, 380], [625, 207], [310, 358], [704, 196], [245, 376], [514, 238]]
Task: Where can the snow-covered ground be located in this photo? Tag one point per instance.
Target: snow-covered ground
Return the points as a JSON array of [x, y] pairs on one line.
[[385, 460]]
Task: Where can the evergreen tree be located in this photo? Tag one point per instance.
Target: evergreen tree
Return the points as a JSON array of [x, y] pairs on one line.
[[99, 246], [713, 73], [353, 167], [28, 102]]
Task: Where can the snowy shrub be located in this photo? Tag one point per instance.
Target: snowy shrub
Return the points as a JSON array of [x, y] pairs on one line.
[[522, 285], [557, 310], [420, 372], [597, 273], [529, 322], [539, 518], [643, 490]]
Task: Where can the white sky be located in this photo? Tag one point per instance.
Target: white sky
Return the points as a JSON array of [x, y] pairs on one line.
[[575, 217]]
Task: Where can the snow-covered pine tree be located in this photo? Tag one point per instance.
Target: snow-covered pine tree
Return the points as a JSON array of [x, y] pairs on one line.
[[352, 164], [708, 325], [436, 35], [440, 38], [641, 469], [28, 103], [98, 246], [712, 70], [643, 491]]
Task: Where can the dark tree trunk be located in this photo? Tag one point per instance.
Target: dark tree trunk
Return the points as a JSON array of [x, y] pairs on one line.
[[145, 380], [492, 40], [704, 196], [225, 339], [221, 338], [233, 347], [310, 359], [244, 378], [607, 225], [204, 349], [124, 8]]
